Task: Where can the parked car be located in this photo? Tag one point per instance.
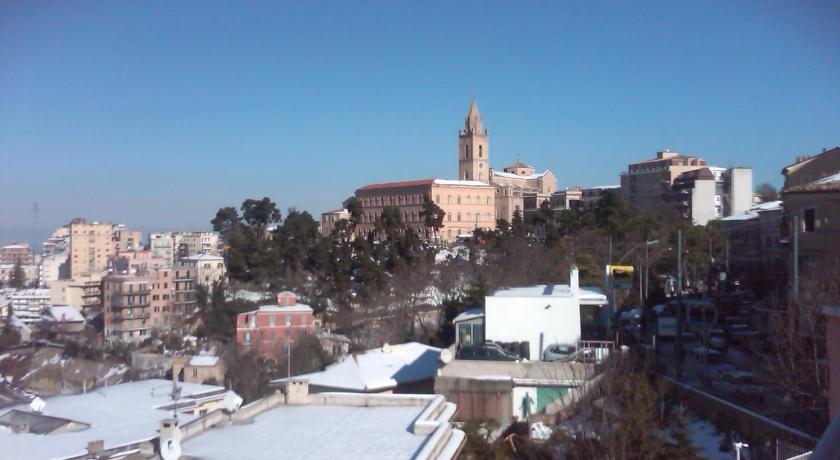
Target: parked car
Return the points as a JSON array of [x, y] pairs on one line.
[[484, 353], [557, 352]]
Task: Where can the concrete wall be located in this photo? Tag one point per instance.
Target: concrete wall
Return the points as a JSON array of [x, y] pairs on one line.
[[741, 190], [703, 202], [519, 319], [478, 399]]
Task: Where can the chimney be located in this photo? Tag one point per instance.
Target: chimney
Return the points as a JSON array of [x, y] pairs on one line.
[[574, 281], [170, 439], [297, 391]]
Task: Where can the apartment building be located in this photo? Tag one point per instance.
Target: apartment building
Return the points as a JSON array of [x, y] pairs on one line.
[[84, 290], [162, 246], [184, 300], [91, 246], [206, 269], [127, 308], [330, 218], [17, 253], [645, 181], [191, 243], [125, 239], [28, 304], [272, 328], [810, 168], [711, 193]]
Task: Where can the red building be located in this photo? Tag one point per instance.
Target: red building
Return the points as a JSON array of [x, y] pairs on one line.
[[267, 329]]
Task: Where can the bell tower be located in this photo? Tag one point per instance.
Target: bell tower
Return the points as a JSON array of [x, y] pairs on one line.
[[473, 148]]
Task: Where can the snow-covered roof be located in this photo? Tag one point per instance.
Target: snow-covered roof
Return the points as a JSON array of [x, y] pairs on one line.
[[118, 414], [315, 432], [67, 313], [203, 257], [466, 315], [592, 295], [517, 176], [769, 206], [379, 369], [203, 361], [752, 213], [290, 309], [540, 290], [462, 183]]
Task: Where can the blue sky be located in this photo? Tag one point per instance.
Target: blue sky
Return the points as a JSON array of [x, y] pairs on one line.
[[156, 114]]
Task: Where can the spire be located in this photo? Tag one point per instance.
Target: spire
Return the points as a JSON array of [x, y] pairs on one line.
[[472, 123]]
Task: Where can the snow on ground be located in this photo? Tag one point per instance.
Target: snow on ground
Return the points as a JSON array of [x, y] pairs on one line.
[[706, 439]]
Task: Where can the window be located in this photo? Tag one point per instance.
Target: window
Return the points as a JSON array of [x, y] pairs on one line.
[[195, 372], [448, 199], [288, 320], [809, 220], [459, 217], [272, 320], [488, 200], [480, 151], [437, 199], [459, 199]]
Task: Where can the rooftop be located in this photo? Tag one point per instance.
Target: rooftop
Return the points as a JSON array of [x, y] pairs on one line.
[[120, 414], [379, 369], [197, 257], [826, 184], [540, 290], [518, 176], [338, 425], [290, 309], [66, 313], [461, 183], [405, 183], [203, 361]]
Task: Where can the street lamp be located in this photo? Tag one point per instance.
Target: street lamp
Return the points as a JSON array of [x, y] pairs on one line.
[[738, 447]]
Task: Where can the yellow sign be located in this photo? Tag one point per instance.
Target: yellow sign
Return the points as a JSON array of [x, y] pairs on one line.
[[621, 276]]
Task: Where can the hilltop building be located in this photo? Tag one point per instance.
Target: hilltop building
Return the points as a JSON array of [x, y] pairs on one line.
[[269, 329], [476, 199]]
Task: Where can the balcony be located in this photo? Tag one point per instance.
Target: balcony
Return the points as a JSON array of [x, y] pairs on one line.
[[119, 304], [120, 319]]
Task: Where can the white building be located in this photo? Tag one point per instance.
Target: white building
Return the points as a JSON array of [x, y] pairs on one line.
[[27, 305], [541, 315]]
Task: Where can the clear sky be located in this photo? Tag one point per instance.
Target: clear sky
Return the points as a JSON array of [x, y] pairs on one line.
[[156, 114]]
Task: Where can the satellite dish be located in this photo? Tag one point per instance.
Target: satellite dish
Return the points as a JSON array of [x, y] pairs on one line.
[[445, 356], [386, 348], [37, 404]]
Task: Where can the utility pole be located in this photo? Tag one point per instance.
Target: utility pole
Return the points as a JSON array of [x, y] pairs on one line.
[[795, 268], [678, 344], [609, 251], [647, 270]]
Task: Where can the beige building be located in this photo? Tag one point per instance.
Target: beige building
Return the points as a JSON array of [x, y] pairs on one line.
[[818, 206], [126, 308], [330, 218], [198, 369], [468, 205], [192, 243], [206, 269], [84, 290], [520, 187], [808, 169], [646, 181], [125, 239], [90, 247]]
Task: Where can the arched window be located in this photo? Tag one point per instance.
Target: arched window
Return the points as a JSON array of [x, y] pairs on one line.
[[459, 217], [480, 151]]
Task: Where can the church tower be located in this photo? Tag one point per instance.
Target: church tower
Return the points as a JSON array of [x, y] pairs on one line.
[[473, 148]]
